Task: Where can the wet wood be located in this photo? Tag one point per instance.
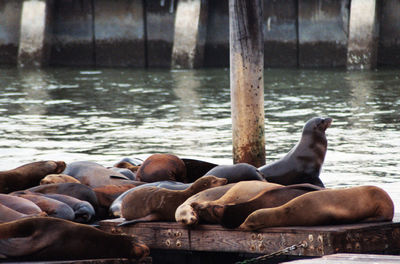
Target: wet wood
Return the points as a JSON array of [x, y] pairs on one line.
[[381, 237], [246, 81]]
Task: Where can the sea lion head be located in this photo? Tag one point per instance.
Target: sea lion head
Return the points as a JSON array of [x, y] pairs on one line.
[[187, 215], [139, 249], [208, 181], [317, 126]]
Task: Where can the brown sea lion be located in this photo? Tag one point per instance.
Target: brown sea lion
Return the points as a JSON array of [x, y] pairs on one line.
[[28, 175], [185, 213], [326, 207], [84, 211], [115, 207], [302, 164], [19, 204], [162, 167], [239, 193], [127, 165], [152, 203], [58, 178], [108, 193], [237, 172], [77, 190], [233, 214], [47, 238], [52, 207], [7, 214], [93, 174]]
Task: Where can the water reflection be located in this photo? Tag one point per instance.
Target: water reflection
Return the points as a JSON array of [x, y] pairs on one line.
[[105, 114]]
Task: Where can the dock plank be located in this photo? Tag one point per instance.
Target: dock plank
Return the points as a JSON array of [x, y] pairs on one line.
[[382, 237]]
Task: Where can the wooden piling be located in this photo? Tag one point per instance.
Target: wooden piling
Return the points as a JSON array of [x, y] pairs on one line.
[[189, 34], [246, 81], [363, 35], [34, 48]]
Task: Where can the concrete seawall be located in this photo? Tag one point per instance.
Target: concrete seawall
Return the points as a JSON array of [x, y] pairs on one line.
[[142, 33]]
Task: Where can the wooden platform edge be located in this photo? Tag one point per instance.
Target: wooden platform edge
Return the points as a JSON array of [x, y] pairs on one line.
[[383, 237]]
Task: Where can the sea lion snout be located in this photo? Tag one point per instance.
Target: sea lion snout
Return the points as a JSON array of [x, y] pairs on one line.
[[325, 123]]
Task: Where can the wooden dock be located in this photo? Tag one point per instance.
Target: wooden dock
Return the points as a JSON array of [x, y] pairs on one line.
[[365, 238]]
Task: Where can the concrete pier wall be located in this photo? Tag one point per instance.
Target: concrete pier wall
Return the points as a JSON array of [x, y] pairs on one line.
[[140, 33]]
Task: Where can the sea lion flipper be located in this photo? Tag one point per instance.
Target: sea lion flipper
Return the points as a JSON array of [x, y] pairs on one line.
[[147, 218], [119, 177]]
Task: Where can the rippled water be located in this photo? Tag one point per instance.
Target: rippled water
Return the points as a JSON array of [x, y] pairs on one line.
[[106, 114]]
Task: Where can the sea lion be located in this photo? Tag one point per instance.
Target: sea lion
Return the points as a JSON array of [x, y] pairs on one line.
[[185, 213], [58, 178], [107, 194], [326, 207], [115, 207], [132, 161], [162, 167], [127, 165], [302, 164], [50, 239], [237, 172], [28, 175], [20, 204], [196, 168], [52, 207], [77, 190], [124, 171], [239, 193], [160, 204], [233, 214], [84, 211], [7, 214], [93, 174]]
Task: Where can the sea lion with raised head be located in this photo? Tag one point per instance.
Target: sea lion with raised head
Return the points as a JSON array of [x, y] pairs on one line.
[[159, 204], [51, 239], [28, 175], [326, 207], [303, 163]]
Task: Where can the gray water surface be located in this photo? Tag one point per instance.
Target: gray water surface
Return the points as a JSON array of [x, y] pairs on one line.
[[104, 115]]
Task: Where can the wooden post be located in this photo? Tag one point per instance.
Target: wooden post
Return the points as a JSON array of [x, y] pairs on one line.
[[363, 35], [246, 78], [33, 47], [189, 34]]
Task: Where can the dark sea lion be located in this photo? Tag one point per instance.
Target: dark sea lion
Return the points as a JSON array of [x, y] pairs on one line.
[[58, 178], [115, 207], [51, 239], [93, 174], [28, 175], [77, 190], [197, 168], [159, 204], [239, 193], [19, 204], [84, 211], [52, 207], [162, 167], [185, 213], [237, 172], [326, 207], [303, 163], [232, 215]]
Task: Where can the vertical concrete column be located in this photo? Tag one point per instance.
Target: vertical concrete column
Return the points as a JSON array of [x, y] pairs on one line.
[[389, 33], [363, 35], [10, 21], [33, 47], [246, 81], [119, 33], [190, 34]]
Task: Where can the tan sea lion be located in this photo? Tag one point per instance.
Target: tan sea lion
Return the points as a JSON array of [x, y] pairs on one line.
[[19, 204], [302, 164], [326, 207], [58, 178], [239, 193], [28, 175], [162, 167], [185, 213], [51, 239], [52, 207], [152, 203], [233, 214]]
